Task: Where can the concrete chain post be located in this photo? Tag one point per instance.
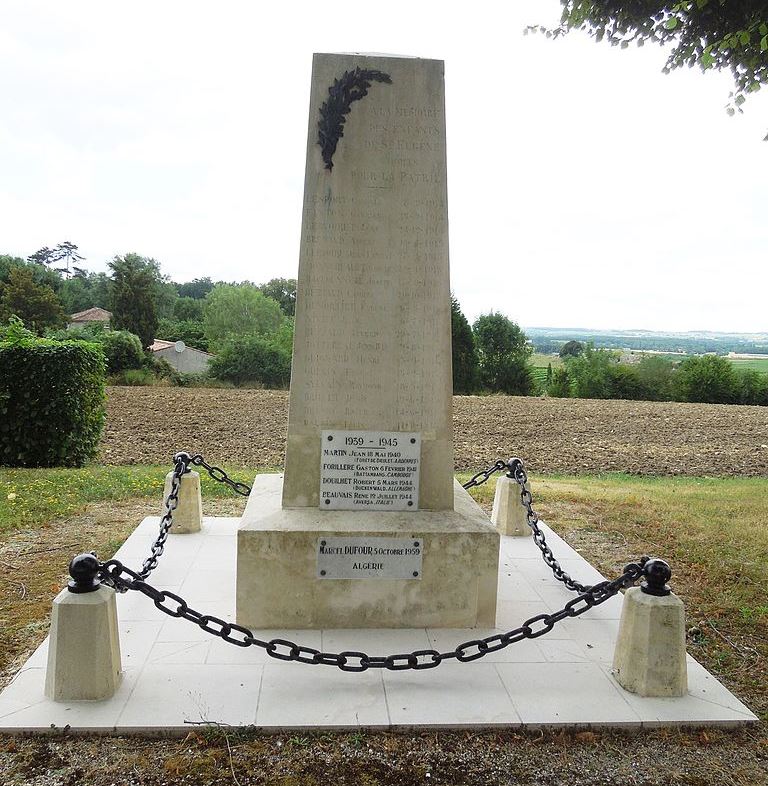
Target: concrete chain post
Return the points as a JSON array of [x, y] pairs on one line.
[[509, 513], [188, 516], [649, 658]]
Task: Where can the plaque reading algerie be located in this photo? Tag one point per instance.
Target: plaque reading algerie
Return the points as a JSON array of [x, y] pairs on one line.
[[369, 557], [369, 470]]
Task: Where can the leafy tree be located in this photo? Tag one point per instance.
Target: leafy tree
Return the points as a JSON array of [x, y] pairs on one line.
[[252, 359], [85, 291], [591, 373], [283, 290], [133, 290], [37, 306], [571, 349], [165, 295], [233, 310], [283, 336], [188, 309], [656, 373], [625, 382], [464, 353], [705, 378], [560, 384], [40, 274], [43, 256], [751, 387], [711, 34], [503, 354], [197, 288]]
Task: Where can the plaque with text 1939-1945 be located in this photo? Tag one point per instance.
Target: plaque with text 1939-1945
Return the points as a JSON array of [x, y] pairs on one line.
[[370, 557], [369, 470]]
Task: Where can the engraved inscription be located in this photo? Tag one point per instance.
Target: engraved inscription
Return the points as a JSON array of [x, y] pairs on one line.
[[369, 470], [369, 558]]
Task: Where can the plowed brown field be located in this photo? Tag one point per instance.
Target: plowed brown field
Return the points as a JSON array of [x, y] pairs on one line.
[[247, 428]]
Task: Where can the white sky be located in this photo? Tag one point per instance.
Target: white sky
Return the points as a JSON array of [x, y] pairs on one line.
[[585, 188]]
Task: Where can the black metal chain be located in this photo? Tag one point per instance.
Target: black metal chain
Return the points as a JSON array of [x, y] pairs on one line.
[[484, 475], [516, 471], [181, 462], [180, 468], [217, 473], [113, 573]]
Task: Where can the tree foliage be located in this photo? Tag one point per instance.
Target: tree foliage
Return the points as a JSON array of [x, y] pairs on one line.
[[571, 349], [706, 378], [711, 34], [198, 288], [188, 309], [40, 275], [133, 290], [191, 332], [463, 352], [283, 290], [233, 310], [36, 306], [503, 353], [253, 359]]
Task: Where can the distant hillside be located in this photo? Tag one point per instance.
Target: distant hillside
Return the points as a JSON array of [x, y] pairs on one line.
[[547, 339]]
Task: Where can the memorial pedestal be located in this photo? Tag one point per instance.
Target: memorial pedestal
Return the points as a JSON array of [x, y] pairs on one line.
[[278, 574]]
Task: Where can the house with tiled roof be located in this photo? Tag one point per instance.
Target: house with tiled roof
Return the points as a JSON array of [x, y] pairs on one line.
[[89, 316], [186, 360]]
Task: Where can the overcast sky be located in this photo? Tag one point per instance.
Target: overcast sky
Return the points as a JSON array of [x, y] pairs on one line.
[[586, 189]]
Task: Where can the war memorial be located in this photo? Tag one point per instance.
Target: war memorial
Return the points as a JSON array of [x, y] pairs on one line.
[[364, 587]]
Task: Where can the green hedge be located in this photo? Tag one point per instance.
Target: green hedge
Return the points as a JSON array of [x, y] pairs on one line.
[[51, 402]]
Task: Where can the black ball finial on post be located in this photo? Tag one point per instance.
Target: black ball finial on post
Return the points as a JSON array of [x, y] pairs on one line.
[[84, 569], [513, 465], [656, 574]]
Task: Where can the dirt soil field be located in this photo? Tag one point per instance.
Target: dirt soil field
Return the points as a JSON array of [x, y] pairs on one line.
[[247, 428]]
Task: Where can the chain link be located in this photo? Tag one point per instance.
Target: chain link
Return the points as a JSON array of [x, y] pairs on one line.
[[217, 473], [485, 474], [517, 473], [181, 462], [116, 575]]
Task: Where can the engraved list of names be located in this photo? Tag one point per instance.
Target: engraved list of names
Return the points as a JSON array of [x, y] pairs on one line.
[[369, 470]]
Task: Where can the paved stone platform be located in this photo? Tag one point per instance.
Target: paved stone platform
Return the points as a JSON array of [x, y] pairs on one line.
[[175, 675]]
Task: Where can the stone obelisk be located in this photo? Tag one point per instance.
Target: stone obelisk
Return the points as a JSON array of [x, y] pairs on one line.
[[372, 347], [368, 527]]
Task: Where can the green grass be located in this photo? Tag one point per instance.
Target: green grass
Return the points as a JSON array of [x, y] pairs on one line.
[[30, 497], [756, 364], [713, 531], [543, 361]]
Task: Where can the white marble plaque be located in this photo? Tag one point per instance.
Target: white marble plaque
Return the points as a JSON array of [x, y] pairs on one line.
[[369, 470], [369, 558]]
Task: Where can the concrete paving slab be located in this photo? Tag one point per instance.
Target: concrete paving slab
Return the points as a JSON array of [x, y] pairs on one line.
[[176, 675]]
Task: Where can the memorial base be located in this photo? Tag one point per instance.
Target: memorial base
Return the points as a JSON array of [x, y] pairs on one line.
[[278, 585]]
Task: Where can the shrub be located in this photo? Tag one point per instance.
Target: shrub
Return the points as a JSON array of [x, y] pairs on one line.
[[51, 402], [706, 379], [252, 359], [751, 387], [122, 350]]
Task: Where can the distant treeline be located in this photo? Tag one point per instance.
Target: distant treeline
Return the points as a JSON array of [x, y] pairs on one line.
[[598, 373], [550, 340]]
